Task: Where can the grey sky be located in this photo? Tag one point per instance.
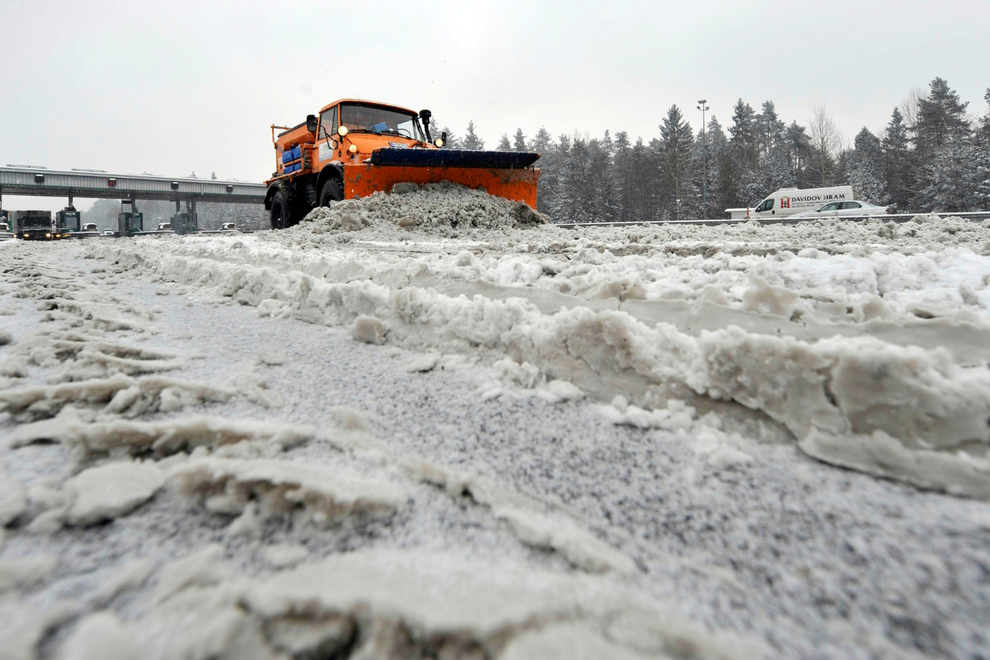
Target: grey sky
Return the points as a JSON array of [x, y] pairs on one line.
[[194, 86]]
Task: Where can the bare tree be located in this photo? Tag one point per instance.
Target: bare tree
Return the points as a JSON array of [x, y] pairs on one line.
[[826, 142], [911, 106]]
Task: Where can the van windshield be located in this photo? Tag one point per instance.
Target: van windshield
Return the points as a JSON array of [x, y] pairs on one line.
[[379, 120]]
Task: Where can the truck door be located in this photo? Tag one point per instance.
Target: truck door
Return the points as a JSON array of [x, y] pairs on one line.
[[327, 134]]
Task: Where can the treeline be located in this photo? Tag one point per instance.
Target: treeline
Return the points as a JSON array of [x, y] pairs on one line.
[[932, 156]]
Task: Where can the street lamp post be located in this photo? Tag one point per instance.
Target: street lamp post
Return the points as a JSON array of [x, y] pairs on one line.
[[704, 158]]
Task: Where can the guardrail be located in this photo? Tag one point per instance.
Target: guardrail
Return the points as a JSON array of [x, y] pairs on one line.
[[975, 216]]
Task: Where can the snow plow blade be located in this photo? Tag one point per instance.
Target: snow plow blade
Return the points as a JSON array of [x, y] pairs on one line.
[[501, 173], [497, 160]]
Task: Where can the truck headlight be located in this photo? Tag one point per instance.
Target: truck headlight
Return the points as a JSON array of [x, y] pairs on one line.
[[341, 131], [352, 148], [438, 142], [48, 235]]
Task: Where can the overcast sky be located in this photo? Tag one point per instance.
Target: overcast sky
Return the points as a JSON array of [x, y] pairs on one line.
[[134, 87]]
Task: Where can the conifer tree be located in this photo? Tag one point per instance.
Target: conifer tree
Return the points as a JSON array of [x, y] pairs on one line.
[[676, 139], [519, 141], [865, 169], [897, 166], [471, 139], [743, 139], [621, 175], [503, 144], [941, 117], [770, 130], [549, 167], [982, 147], [797, 151]]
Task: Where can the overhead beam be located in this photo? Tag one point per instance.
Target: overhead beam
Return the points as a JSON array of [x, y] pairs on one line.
[[103, 185]]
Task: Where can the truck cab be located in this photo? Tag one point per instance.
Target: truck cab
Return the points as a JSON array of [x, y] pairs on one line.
[[34, 225]]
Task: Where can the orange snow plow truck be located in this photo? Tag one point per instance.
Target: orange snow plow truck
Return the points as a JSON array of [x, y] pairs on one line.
[[355, 148]]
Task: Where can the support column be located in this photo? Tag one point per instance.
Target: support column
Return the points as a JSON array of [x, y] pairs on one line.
[[193, 219], [71, 205]]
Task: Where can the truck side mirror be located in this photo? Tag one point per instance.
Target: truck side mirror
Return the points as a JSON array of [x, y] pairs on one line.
[[311, 123]]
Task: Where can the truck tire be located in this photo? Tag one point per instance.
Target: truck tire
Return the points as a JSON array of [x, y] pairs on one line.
[[282, 216], [331, 191]]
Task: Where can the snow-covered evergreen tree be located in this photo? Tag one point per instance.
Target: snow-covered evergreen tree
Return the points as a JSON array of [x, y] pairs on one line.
[[797, 151], [621, 173], [676, 139], [770, 129], [897, 162], [519, 141], [950, 178], [743, 137], [865, 169], [944, 152], [941, 117], [982, 169], [471, 139], [504, 144]]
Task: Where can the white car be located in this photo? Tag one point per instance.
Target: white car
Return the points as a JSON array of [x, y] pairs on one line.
[[108, 232], [844, 209]]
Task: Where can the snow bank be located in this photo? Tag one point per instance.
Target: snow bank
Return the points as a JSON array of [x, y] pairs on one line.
[[385, 604], [845, 387], [108, 491], [280, 488], [114, 438], [118, 394]]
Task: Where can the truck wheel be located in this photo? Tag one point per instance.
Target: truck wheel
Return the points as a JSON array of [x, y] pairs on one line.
[[331, 191], [281, 210]]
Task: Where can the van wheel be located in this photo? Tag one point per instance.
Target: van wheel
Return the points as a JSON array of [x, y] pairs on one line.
[[281, 210], [331, 191]]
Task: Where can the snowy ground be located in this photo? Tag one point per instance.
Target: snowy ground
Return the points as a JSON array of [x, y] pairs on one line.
[[424, 425]]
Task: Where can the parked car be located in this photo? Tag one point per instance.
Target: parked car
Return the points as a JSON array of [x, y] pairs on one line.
[[843, 209], [108, 232], [227, 226], [89, 226], [164, 226]]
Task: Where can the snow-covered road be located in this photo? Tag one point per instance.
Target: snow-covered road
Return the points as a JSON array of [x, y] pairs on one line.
[[351, 439]]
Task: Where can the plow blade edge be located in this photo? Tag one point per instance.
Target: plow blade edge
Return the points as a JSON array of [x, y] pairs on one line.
[[499, 173]]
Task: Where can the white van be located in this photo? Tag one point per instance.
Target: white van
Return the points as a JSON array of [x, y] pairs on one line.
[[788, 201]]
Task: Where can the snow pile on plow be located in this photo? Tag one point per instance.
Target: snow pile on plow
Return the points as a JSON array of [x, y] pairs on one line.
[[441, 209]]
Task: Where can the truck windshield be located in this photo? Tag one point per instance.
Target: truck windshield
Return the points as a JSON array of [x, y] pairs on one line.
[[36, 223], [383, 121]]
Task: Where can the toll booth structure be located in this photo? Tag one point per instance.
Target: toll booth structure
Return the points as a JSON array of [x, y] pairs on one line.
[[185, 222], [68, 221], [129, 221]]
